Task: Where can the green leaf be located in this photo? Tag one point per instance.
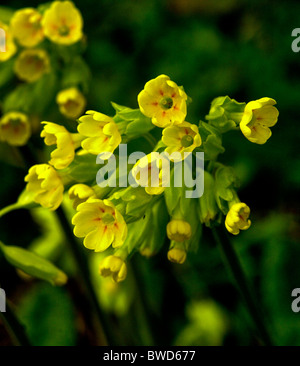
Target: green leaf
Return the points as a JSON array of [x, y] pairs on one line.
[[33, 264]]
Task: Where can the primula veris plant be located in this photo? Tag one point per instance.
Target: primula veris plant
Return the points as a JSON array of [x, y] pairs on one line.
[[120, 221]]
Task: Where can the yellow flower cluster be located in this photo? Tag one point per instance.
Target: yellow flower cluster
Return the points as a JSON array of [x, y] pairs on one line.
[[121, 221], [27, 38]]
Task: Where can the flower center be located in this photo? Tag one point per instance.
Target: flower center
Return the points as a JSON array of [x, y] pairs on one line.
[[64, 31], [166, 103], [107, 219], [187, 140], [14, 122]]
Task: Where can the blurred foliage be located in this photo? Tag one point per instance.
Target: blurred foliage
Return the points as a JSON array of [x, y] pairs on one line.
[[212, 47]]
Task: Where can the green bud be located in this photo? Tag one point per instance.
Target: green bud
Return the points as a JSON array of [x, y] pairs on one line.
[[225, 113], [207, 205]]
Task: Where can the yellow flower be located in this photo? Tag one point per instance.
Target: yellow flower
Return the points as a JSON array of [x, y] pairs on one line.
[[237, 218], [113, 266], [9, 46], [26, 27], [32, 64], [80, 193], [101, 131], [66, 143], [63, 23], [177, 255], [46, 186], [179, 230], [71, 102], [183, 138], [153, 173], [15, 128], [258, 116], [163, 101], [100, 224]]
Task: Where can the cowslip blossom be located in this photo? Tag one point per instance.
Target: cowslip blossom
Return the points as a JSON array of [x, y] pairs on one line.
[[237, 218], [177, 255], [258, 116], [10, 46], [26, 27], [80, 193], [71, 102], [152, 172], [101, 132], [45, 185], [100, 224], [65, 142], [15, 128], [183, 138], [62, 23], [163, 101], [179, 230], [32, 64], [113, 266]]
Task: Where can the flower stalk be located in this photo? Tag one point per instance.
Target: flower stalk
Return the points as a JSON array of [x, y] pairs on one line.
[[234, 265]]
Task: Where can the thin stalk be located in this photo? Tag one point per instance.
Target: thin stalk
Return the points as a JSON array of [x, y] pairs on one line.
[[14, 327], [142, 306], [242, 283], [81, 261]]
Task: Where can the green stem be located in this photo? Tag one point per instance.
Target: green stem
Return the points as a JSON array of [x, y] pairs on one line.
[[142, 307], [237, 271], [81, 261], [14, 327]]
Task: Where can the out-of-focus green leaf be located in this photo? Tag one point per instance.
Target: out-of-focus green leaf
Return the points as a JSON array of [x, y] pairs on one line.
[[48, 314], [33, 264]]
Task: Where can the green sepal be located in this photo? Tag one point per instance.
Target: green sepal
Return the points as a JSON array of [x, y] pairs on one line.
[[132, 122], [132, 202], [207, 206], [25, 96], [211, 141], [157, 218], [225, 113], [77, 73], [83, 169], [226, 182]]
